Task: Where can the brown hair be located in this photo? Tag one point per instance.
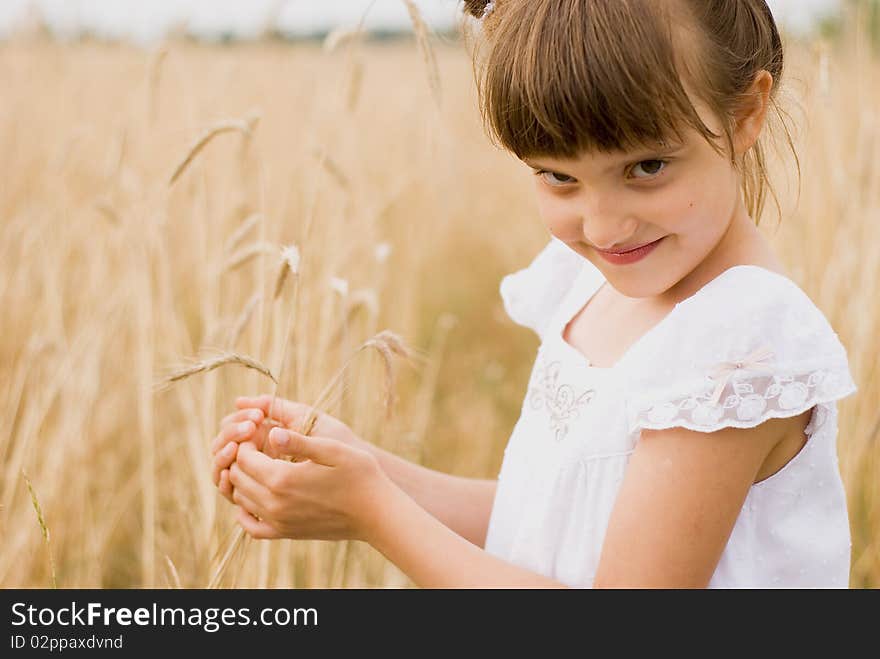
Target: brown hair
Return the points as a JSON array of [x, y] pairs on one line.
[[563, 77]]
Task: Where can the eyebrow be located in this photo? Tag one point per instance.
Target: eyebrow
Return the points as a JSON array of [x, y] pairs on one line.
[[635, 156]]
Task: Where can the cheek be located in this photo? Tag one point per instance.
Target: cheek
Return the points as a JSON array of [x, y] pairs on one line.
[[697, 208], [672, 209], [560, 217]]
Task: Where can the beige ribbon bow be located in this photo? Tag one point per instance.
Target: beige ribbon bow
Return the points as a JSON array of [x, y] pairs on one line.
[[725, 370]]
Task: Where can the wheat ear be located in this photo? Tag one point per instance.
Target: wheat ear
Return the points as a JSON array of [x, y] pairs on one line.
[[43, 527], [421, 31], [210, 364], [243, 126]]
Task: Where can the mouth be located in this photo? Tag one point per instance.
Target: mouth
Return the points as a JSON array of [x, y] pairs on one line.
[[632, 255], [628, 250]]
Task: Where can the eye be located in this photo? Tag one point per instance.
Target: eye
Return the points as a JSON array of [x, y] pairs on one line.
[[556, 180], [647, 168]]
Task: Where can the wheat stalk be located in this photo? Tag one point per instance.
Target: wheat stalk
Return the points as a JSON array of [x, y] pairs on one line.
[[43, 527], [243, 319], [289, 265], [210, 364], [175, 578], [421, 31], [245, 254], [237, 236], [107, 211], [341, 36], [354, 84], [428, 385], [117, 156], [390, 345], [290, 259], [155, 70], [244, 126], [332, 167]]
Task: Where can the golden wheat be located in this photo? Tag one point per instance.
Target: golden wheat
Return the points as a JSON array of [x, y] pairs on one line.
[[242, 232], [209, 364], [120, 275], [243, 126], [44, 529], [243, 319], [289, 265], [246, 254], [420, 28]]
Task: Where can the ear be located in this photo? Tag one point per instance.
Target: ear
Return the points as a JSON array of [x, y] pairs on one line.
[[752, 114]]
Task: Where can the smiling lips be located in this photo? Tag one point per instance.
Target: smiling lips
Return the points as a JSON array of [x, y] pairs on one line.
[[629, 256]]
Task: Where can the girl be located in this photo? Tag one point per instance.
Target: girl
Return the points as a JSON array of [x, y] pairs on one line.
[[680, 423]]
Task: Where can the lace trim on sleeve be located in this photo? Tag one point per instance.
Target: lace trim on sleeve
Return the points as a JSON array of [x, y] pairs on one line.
[[743, 402]]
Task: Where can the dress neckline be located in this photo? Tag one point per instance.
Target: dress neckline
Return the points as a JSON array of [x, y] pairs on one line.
[[585, 288]]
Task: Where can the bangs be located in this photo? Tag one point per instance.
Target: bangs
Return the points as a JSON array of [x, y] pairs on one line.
[[564, 77]]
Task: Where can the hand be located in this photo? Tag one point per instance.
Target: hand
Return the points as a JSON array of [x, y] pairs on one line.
[[251, 423], [337, 493]]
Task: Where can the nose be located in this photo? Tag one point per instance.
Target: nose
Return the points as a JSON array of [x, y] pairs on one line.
[[606, 224]]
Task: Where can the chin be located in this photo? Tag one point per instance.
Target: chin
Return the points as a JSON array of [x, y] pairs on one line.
[[638, 287], [638, 292]]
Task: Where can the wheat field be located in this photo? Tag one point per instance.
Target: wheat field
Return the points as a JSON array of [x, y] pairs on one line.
[[129, 249]]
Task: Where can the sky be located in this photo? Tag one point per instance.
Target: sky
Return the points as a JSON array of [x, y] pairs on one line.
[[147, 21]]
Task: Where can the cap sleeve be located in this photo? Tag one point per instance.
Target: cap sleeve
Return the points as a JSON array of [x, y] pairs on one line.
[[752, 348], [532, 295]]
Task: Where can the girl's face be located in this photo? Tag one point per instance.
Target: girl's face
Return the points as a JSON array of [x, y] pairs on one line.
[[685, 195]]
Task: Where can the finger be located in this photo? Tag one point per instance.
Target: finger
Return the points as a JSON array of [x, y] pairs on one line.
[[253, 413], [257, 465], [230, 432], [252, 487], [225, 486], [257, 529], [222, 460], [248, 504], [323, 450], [233, 431], [286, 411], [262, 402]]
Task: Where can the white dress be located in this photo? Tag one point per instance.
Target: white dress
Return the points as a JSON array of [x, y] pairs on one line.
[[776, 355]]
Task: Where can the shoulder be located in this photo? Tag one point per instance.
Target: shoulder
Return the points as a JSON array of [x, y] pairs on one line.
[[744, 315], [532, 294], [749, 346], [747, 303]]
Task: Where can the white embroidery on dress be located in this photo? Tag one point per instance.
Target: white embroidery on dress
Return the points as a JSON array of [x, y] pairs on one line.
[[559, 400]]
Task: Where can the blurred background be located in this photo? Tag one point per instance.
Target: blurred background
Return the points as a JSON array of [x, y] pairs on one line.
[[228, 20], [158, 157]]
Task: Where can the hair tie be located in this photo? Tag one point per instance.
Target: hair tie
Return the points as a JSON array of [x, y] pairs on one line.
[[487, 10]]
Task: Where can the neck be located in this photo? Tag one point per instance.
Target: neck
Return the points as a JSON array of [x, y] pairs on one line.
[[742, 243]]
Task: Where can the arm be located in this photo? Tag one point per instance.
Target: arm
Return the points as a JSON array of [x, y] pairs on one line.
[[341, 492], [673, 515], [433, 556], [681, 496], [678, 503], [461, 504]]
